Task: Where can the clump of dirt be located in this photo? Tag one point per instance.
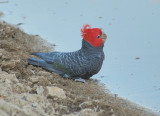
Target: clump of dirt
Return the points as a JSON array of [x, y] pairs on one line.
[[22, 85]]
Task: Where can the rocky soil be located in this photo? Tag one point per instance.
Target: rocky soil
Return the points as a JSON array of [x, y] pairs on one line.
[[26, 90]]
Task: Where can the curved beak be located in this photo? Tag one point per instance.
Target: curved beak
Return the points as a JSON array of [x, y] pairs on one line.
[[104, 37]]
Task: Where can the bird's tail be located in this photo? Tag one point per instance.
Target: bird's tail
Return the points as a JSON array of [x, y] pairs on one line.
[[37, 62], [43, 64]]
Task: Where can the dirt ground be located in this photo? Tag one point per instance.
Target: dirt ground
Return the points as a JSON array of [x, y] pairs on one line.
[[22, 86]]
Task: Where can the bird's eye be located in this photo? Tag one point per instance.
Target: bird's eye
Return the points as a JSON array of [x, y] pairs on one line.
[[98, 36]]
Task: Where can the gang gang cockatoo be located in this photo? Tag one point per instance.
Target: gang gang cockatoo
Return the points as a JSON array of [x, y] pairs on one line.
[[81, 64]]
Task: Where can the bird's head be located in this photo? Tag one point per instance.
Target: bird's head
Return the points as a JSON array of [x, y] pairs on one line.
[[94, 36]]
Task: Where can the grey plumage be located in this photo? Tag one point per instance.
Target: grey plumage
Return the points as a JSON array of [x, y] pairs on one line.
[[79, 64]]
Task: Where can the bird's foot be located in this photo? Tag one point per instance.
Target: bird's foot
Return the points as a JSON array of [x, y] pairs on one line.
[[80, 80], [66, 76], [75, 79]]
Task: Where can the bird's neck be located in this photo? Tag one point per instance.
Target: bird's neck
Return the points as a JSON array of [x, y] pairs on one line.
[[88, 47]]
